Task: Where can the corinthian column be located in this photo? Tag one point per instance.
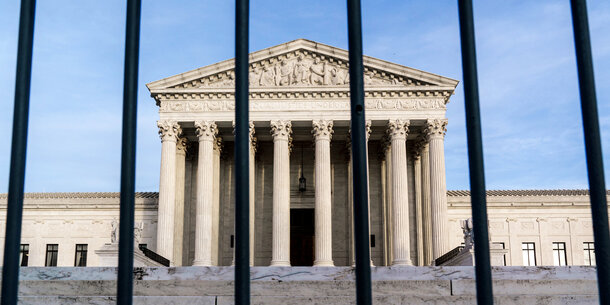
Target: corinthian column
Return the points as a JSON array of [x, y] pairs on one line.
[[206, 132], [425, 191], [435, 132], [322, 131], [416, 156], [169, 131], [251, 180], [179, 214], [367, 126], [397, 130], [280, 252]]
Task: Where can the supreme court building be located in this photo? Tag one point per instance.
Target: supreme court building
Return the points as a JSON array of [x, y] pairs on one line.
[[300, 198], [300, 176]]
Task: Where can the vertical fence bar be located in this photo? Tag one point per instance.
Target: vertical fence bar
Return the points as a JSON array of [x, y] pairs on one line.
[[593, 148], [14, 213], [242, 151], [475, 154], [358, 134], [128, 154]]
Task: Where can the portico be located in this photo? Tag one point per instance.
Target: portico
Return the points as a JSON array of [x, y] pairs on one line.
[[299, 111]]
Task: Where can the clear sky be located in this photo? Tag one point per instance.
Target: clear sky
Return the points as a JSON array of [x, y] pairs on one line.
[[527, 74]]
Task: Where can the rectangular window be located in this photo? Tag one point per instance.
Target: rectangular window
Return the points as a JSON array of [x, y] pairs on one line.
[[51, 259], [529, 254], [500, 245], [559, 254], [589, 253], [80, 258], [24, 254]]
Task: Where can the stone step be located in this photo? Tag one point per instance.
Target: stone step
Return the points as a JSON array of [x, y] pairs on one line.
[[308, 288], [301, 300]]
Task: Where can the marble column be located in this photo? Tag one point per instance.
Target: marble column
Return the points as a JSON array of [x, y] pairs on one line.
[[425, 191], [416, 157], [438, 188], [252, 161], [206, 132], [179, 205], [280, 252], [352, 255], [216, 202], [388, 189], [397, 130], [169, 132], [322, 131]]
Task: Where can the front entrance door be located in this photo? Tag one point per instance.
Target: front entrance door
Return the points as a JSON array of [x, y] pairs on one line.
[[301, 237]]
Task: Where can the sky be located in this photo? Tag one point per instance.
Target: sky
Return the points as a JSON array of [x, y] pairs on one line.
[[531, 119]]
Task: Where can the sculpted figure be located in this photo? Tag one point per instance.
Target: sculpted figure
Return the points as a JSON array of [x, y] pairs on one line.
[[339, 76], [300, 75], [255, 77], [317, 72], [229, 79], [283, 74], [268, 77], [114, 233]]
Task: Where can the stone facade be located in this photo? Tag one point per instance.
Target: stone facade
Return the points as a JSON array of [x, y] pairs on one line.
[[300, 128]]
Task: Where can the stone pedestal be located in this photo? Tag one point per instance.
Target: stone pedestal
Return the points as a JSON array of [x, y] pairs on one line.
[[109, 257]]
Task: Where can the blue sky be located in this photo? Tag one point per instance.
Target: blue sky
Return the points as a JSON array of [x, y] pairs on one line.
[[529, 95]]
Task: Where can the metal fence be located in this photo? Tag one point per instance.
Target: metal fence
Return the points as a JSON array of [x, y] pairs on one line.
[[10, 270]]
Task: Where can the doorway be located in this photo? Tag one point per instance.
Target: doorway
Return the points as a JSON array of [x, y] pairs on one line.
[[302, 237]]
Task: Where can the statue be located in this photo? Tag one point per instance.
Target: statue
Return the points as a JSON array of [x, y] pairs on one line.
[[137, 232], [255, 77], [114, 234], [318, 72], [300, 74], [268, 77], [283, 74], [468, 234]]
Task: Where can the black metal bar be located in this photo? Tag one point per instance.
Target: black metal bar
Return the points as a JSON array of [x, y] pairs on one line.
[[593, 148], [14, 213], [128, 154], [358, 134], [242, 156], [475, 154]]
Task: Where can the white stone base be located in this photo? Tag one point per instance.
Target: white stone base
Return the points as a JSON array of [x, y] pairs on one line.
[[109, 256], [309, 285]]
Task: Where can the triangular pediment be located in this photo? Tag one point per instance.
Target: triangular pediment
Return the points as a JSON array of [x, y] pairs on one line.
[[300, 64]]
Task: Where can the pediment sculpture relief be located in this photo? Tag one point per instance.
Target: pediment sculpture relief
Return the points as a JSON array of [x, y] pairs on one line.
[[300, 69]]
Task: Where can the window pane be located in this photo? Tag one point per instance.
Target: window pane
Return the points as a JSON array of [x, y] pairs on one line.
[[51, 257], [80, 257]]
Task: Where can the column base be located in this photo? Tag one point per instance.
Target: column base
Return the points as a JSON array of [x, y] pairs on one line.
[[202, 263], [280, 264], [323, 264], [354, 264], [405, 262]]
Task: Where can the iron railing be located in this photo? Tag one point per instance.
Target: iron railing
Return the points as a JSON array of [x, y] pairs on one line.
[[10, 270]]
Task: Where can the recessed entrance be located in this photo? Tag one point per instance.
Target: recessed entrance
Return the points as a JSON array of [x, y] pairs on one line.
[[301, 237]]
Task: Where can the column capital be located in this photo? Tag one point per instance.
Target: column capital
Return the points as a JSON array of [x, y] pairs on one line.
[[398, 129], [322, 129], [181, 145], [435, 128], [169, 130], [206, 130], [281, 130]]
